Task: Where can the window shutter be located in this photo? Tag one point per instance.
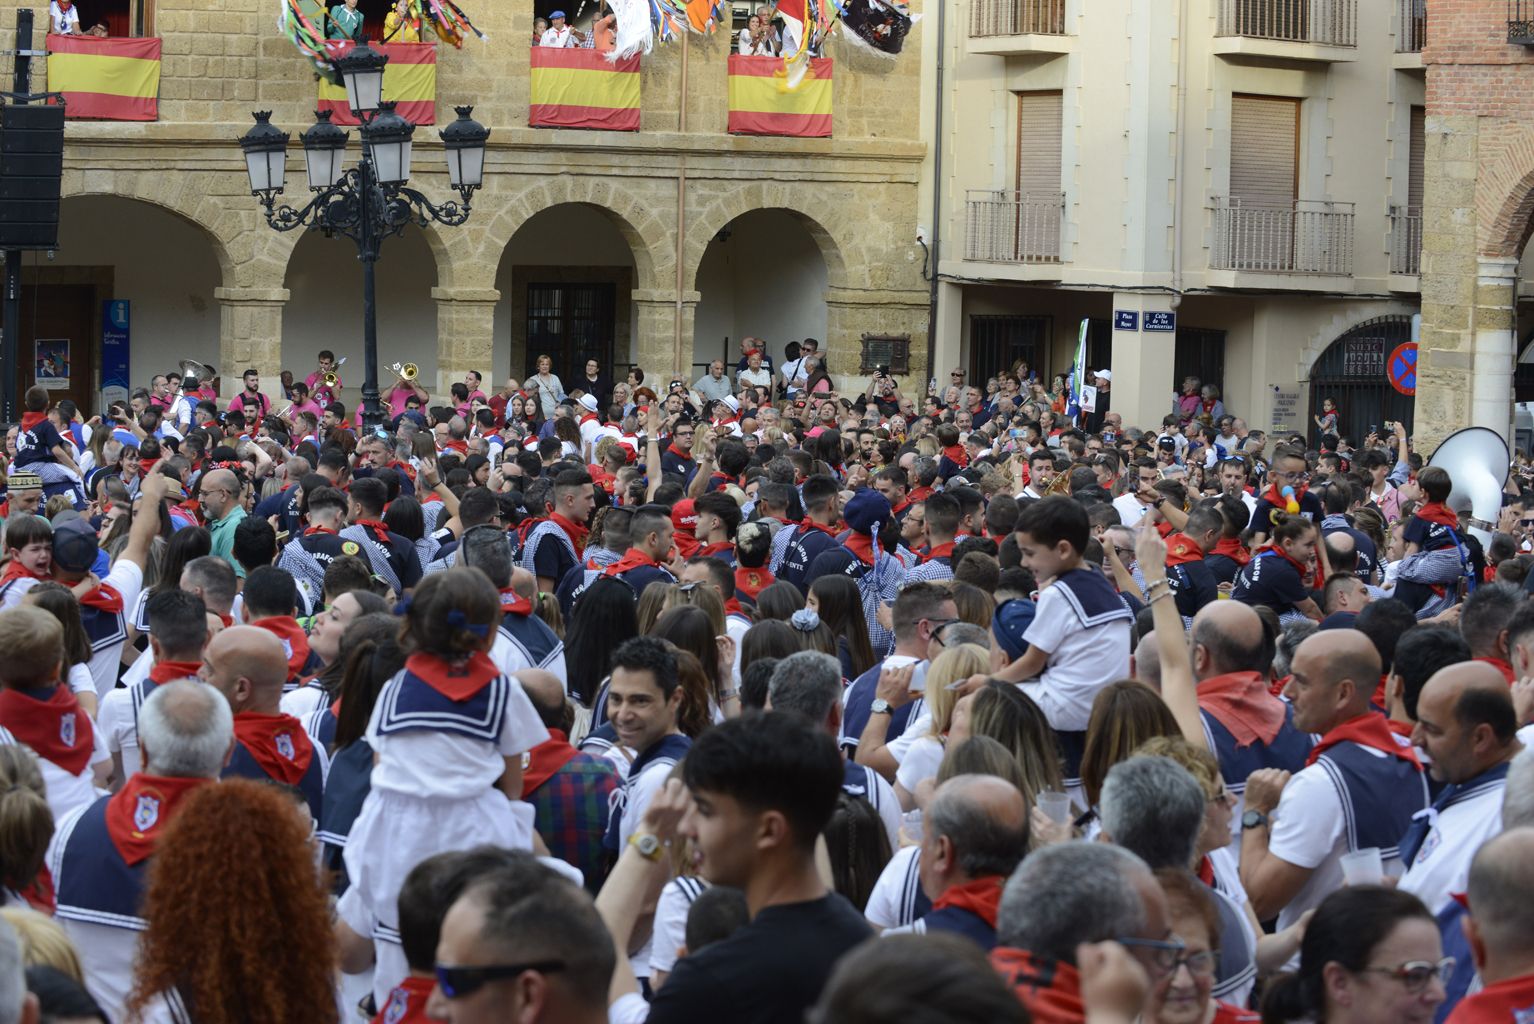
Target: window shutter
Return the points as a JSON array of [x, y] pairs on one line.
[[1418, 144], [1264, 151], [1038, 141]]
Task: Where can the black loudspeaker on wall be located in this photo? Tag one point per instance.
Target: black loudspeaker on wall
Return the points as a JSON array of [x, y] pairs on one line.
[[31, 164]]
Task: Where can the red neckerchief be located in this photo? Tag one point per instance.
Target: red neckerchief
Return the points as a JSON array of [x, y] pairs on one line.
[[139, 812], [1438, 512], [56, 729], [14, 570], [513, 603], [40, 893], [1240, 701], [1401, 729], [861, 545], [1180, 550], [1367, 730], [259, 735], [311, 531], [379, 529], [1274, 498], [956, 453], [1050, 989], [191, 508], [719, 481], [1303, 570], [590, 417], [407, 1002], [1233, 549], [1208, 405], [287, 629], [1164, 528], [401, 467], [920, 494], [105, 598], [940, 551], [1277, 686], [166, 671], [456, 445], [575, 531], [732, 607], [1206, 871], [31, 419], [545, 759], [809, 524], [633, 558], [905, 503], [981, 897], [674, 450], [457, 681], [1501, 666], [752, 582], [715, 548]]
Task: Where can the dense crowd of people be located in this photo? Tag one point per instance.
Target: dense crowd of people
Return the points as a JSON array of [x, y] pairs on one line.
[[747, 698]]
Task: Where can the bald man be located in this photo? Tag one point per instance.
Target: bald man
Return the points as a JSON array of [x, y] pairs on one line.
[[1245, 725], [248, 666], [974, 833], [1466, 724], [568, 788], [1500, 930], [1360, 787], [218, 495]]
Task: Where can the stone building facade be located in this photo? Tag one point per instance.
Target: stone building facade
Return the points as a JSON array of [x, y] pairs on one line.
[[160, 214]]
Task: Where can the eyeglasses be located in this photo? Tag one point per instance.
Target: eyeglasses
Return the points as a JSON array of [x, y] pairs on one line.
[[461, 982], [1416, 975], [206, 491], [1165, 955], [937, 625]]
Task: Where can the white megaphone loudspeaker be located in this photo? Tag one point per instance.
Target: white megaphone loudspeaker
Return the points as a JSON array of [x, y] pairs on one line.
[[1477, 461]]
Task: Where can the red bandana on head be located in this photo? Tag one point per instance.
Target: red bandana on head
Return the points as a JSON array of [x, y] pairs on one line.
[[457, 681], [278, 743], [139, 812], [55, 728]]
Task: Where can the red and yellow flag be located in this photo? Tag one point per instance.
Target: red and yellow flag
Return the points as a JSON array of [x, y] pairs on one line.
[[106, 79], [410, 80], [573, 87], [758, 106]]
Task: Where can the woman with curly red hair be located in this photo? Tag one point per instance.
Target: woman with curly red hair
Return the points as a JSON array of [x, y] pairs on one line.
[[236, 936]]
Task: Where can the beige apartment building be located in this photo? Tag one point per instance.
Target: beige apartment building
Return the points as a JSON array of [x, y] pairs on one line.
[[661, 247], [1228, 189]]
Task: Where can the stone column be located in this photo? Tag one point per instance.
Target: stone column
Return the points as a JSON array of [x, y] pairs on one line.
[[948, 348], [654, 333], [1142, 363], [852, 313], [250, 335], [1496, 349], [465, 337]]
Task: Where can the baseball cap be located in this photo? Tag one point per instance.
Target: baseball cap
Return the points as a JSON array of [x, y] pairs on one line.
[[1010, 622], [74, 545]]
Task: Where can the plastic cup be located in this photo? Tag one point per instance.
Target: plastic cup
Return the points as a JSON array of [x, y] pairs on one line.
[[1057, 806], [1363, 867], [910, 828]]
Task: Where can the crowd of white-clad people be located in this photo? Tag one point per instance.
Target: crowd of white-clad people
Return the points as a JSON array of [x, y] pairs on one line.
[[773, 695]]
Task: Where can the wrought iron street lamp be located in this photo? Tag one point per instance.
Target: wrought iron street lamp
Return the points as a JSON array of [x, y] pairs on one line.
[[371, 201]]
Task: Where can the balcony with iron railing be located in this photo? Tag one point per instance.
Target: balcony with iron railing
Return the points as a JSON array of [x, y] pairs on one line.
[[1007, 27], [1007, 226], [1288, 247], [1260, 31], [1520, 22], [1411, 25], [1405, 244]]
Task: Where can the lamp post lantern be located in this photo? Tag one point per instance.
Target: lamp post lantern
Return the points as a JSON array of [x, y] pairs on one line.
[[371, 201]]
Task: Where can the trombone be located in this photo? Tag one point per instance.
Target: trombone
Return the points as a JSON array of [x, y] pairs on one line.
[[406, 372]]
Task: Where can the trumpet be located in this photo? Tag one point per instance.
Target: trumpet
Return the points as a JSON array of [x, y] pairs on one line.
[[331, 379], [406, 372]]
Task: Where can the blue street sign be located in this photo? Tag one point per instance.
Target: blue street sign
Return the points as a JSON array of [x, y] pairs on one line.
[[1158, 321], [1126, 320]]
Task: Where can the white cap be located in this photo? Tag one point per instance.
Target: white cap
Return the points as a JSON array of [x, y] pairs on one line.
[[1105, 375], [732, 402], [589, 401]]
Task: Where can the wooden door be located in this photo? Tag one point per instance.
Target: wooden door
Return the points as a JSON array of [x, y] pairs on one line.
[[59, 336]]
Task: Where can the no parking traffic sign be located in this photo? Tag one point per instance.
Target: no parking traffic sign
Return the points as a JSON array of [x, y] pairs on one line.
[[1401, 368]]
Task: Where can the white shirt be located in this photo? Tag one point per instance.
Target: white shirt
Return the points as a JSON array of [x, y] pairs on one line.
[[64, 22], [430, 763], [1081, 661], [556, 37], [128, 579], [921, 762], [669, 933], [891, 903], [68, 793], [1442, 864], [106, 952], [1130, 509], [1309, 832]]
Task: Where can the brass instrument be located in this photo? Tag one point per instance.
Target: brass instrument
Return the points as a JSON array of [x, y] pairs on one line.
[[192, 368], [406, 372], [1061, 484], [330, 378]]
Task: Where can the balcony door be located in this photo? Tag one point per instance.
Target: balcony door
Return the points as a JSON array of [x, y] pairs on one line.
[[1264, 181], [1039, 127], [571, 323]]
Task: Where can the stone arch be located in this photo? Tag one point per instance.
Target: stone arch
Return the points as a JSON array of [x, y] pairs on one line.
[[647, 236], [178, 195], [1350, 317], [1505, 199], [703, 226]]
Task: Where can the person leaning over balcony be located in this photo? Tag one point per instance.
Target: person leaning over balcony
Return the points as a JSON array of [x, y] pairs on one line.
[[400, 26], [559, 33], [754, 41]]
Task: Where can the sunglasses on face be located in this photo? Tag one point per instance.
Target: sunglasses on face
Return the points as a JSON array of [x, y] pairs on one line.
[[461, 982]]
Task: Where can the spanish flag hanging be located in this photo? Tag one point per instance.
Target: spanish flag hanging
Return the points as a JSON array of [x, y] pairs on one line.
[[573, 87], [410, 80], [105, 79], [758, 106]]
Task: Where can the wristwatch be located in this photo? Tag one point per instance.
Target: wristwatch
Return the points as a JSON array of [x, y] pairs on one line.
[[648, 845], [1253, 819], [880, 706]]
